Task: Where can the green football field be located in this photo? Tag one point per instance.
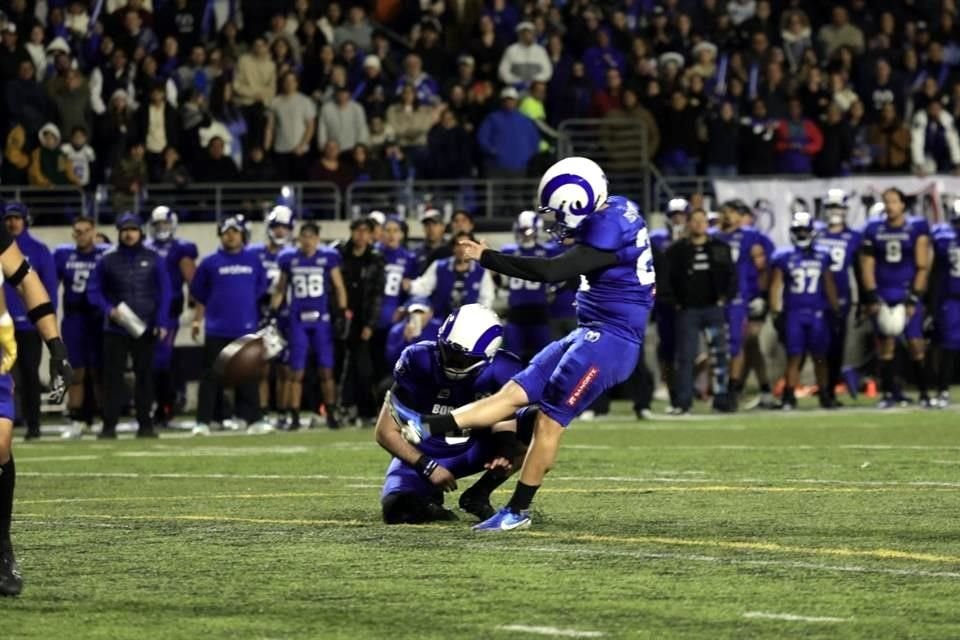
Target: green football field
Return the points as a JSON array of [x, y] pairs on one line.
[[812, 524]]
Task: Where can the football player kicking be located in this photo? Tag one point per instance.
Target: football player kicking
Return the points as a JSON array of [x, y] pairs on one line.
[[612, 255], [895, 266], [802, 289], [464, 363]]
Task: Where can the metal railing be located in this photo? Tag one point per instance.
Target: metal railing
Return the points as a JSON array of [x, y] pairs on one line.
[[484, 198], [50, 205]]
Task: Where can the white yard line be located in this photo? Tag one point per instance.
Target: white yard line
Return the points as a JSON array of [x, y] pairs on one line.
[[556, 632], [791, 617]]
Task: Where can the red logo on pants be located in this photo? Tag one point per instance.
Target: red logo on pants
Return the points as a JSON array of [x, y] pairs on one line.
[[585, 382]]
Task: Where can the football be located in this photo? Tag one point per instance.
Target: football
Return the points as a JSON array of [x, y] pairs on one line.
[[241, 361]]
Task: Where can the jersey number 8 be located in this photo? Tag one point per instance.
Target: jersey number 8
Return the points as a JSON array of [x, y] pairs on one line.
[[308, 286], [893, 251]]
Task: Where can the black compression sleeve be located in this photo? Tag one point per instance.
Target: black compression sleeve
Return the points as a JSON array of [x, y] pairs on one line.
[[579, 260], [6, 239]]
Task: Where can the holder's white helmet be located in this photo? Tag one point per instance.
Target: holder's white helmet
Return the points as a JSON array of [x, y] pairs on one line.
[[527, 229], [572, 189], [468, 340], [280, 216], [163, 223], [891, 321]]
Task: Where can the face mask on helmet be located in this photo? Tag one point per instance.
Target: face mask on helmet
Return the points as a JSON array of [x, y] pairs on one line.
[[161, 231], [569, 191], [836, 215], [163, 224], [279, 234], [457, 362], [801, 237]]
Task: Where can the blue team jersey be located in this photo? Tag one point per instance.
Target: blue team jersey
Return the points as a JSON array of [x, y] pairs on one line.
[[525, 292], [842, 247], [398, 264], [308, 278], [73, 271], [173, 251], [946, 247], [741, 243], [618, 296], [562, 301], [270, 261], [894, 250], [803, 271], [422, 385]]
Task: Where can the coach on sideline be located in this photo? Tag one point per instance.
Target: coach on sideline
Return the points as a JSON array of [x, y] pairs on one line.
[[131, 286], [701, 279]]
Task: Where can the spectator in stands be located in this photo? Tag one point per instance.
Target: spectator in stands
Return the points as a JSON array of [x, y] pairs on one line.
[[217, 166], [135, 36], [573, 99], [356, 29], [394, 165], [193, 74], [278, 31], [36, 52], [436, 60], [721, 141], [840, 33], [72, 103], [255, 85], [372, 90], [834, 156], [934, 144], [425, 88], [813, 94], [796, 35], [525, 61], [630, 116], [679, 147], [291, 127], [610, 97], [174, 171], [13, 52], [110, 77], [224, 111], [258, 167], [861, 154], [80, 155], [329, 167], [411, 119], [16, 157], [380, 134], [283, 57], [890, 140], [229, 41], [487, 49], [342, 120], [128, 177], [601, 57], [449, 149], [532, 105], [48, 164], [508, 139], [798, 140], [883, 88], [114, 130], [159, 125], [26, 101], [757, 144]]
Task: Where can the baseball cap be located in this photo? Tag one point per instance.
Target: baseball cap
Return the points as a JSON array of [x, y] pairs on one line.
[[377, 217], [526, 25], [129, 220], [432, 215], [466, 59], [15, 209], [509, 93], [371, 61]]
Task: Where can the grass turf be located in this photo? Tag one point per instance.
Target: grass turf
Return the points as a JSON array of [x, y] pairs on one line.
[[699, 527]]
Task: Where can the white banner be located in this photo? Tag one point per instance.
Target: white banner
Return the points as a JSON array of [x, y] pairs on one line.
[[774, 200]]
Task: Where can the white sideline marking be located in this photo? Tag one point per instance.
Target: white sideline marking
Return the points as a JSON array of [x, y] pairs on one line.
[[550, 631], [790, 617], [225, 452], [57, 458]]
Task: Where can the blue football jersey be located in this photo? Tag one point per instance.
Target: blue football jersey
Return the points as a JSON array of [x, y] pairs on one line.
[[421, 384], [562, 297], [525, 292], [73, 272], [803, 271], [842, 247], [946, 247], [894, 250], [398, 264], [741, 243], [173, 251], [618, 296], [308, 279]]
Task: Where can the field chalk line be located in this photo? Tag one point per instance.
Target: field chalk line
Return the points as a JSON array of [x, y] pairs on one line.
[[790, 617], [556, 632]]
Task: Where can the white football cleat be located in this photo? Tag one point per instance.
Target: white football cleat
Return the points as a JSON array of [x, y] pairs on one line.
[[200, 429], [260, 428]]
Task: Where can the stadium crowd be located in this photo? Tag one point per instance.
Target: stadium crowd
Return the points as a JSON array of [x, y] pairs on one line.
[[172, 91]]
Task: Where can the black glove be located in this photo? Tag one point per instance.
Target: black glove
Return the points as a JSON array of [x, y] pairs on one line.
[[341, 324], [267, 317], [61, 373], [780, 325]]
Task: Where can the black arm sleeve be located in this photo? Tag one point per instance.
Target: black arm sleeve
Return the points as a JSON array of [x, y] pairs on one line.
[[579, 260], [6, 239]]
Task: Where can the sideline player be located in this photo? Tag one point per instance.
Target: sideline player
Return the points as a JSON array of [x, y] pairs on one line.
[[180, 257], [16, 270], [802, 289], [464, 363], [946, 299], [895, 266], [613, 255], [841, 244], [309, 272]]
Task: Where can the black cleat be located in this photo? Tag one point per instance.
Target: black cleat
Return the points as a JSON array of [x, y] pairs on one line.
[[434, 512], [32, 435], [332, 421], [147, 433], [476, 506], [107, 435], [11, 582]]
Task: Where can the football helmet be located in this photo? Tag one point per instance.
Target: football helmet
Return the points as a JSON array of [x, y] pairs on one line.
[[801, 230], [878, 211], [955, 213], [891, 320], [280, 216], [835, 206], [163, 223], [527, 229], [468, 340], [570, 190]]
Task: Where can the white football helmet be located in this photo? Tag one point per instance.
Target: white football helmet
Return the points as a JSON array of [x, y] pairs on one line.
[[955, 213], [280, 216], [163, 223], [468, 340], [891, 321], [878, 211], [572, 189], [675, 208], [527, 229], [801, 230], [835, 206]]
